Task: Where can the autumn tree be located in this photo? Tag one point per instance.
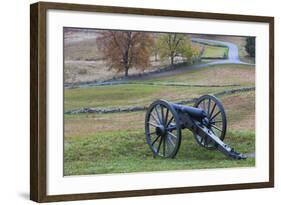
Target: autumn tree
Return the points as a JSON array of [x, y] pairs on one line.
[[172, 45], [123, 50], [155, 48]]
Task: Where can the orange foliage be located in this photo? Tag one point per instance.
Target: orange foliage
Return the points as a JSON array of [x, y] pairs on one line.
[[123, 50]]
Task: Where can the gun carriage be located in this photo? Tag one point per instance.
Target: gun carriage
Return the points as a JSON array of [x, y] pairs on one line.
[[207, 121]]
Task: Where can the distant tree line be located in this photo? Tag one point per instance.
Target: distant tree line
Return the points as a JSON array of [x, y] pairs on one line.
[[123, 50]]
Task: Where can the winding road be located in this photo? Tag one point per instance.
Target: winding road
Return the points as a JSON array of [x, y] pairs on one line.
[[233, 55], [233, 58]]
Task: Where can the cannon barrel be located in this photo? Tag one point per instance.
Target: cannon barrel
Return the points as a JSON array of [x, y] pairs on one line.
[[192, 111]]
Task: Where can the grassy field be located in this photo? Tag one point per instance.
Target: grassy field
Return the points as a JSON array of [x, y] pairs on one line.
[[215, 52], [143, 94], [115, 143], [127, 151], [242, 75], [212, 50], [128, 95], [240, 41]]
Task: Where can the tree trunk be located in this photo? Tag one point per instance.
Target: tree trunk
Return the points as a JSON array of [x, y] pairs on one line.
[[126, 71], [172, 60]]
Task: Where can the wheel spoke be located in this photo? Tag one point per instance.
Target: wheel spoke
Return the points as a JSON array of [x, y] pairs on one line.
[[155, 140], [162, 115], [171, 141], [169, 150], [151, 123], [201, 140], [216, 128], [158, 115], [166, 117], [170, 120], [213, 109], [215, 115], [217, 121], [172, 134], [171, 128], [204, 141], [154, 118], [158, 149], [209, 104], [170, 145], [208, 142], [212, 131]]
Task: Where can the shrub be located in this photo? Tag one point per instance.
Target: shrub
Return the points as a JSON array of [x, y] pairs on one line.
[[251, 46]]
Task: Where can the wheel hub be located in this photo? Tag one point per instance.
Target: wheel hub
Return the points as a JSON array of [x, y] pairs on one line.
[[160, 130], [206, 122]]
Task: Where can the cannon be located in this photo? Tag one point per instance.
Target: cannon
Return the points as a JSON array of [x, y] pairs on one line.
[[207, 121]]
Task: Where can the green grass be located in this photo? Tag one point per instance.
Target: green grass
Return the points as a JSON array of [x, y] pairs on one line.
[[122, 151], [115, 143], [239, 108], [243, 75], [212, 50], [240, 41], [128, 95], [215, 52], [143, 95]]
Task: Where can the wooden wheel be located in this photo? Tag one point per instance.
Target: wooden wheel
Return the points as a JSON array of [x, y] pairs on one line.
[[216, 116], [162, 129]]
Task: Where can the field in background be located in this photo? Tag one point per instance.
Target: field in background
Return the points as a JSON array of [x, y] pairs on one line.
[[115, 143], [212, 52], [83, 62], [139, 93], [238, 40]]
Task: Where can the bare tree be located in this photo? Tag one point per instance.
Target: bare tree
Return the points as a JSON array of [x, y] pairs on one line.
[[123, 50]]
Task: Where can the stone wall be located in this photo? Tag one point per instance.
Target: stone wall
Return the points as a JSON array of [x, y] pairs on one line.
[[141, 108]]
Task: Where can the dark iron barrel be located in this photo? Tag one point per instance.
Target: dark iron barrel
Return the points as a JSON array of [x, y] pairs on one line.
[[197, 113]]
